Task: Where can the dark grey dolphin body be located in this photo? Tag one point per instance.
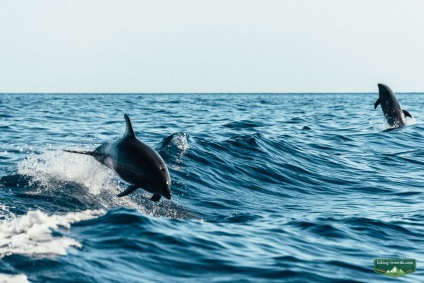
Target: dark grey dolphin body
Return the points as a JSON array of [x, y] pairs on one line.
[[395, 116], [136, 163]]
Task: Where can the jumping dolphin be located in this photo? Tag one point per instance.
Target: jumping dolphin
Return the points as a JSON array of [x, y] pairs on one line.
[[136, 163], [395, 116]]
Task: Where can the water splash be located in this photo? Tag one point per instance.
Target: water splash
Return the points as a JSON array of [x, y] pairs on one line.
[[410, 121], [173, 148], [67, 167], [381, 125]]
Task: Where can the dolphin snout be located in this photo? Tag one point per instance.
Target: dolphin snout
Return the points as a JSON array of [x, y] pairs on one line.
[[167, 193]]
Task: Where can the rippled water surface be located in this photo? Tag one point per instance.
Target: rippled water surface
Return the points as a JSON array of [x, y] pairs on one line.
[[266, 188]]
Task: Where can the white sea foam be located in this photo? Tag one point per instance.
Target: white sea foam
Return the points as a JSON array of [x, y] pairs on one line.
[[31, 233], [382, 125], [410, 121], [178, 147], [68, 167], [16, 278], [181, 142]]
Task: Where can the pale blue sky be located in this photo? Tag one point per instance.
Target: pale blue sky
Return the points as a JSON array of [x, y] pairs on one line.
[[211, 46]]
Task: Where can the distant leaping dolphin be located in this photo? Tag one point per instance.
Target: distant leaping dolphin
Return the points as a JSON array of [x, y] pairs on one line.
[[136, 163], [395, 116]]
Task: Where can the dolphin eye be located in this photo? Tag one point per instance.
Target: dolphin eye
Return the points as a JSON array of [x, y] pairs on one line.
[[161, 169]]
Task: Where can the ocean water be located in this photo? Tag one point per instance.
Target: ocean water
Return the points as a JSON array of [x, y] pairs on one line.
[[266, 188]]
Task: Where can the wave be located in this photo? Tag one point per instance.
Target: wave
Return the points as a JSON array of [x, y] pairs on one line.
[[244, 170], [173, 148], [244, 124]]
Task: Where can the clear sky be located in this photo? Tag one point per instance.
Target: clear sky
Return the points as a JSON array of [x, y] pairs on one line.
[[211, 46]]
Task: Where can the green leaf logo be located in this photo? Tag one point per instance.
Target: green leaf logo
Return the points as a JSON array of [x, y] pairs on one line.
[[395, 267]]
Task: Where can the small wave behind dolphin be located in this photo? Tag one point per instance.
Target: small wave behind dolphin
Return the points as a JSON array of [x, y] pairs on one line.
[[173, 148]]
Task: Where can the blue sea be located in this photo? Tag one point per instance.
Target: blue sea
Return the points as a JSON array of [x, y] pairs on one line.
[[266, 188]]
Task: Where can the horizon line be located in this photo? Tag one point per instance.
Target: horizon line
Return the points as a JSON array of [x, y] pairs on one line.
[[176, 93]]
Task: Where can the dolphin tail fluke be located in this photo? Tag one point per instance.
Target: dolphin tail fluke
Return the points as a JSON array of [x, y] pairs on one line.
[[129, 190], [407, 114], [155, 198], [376, 103], [81, 152]]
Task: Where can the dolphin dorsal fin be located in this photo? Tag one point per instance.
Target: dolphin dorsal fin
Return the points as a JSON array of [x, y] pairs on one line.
[[129, 130]]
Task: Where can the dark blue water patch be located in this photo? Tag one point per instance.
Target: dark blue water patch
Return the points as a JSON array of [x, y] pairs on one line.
[[123, 216], [15, 181], [381, 228], [32, 195], [321, 230], [244, 124], [296, 120], [137, 241]]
